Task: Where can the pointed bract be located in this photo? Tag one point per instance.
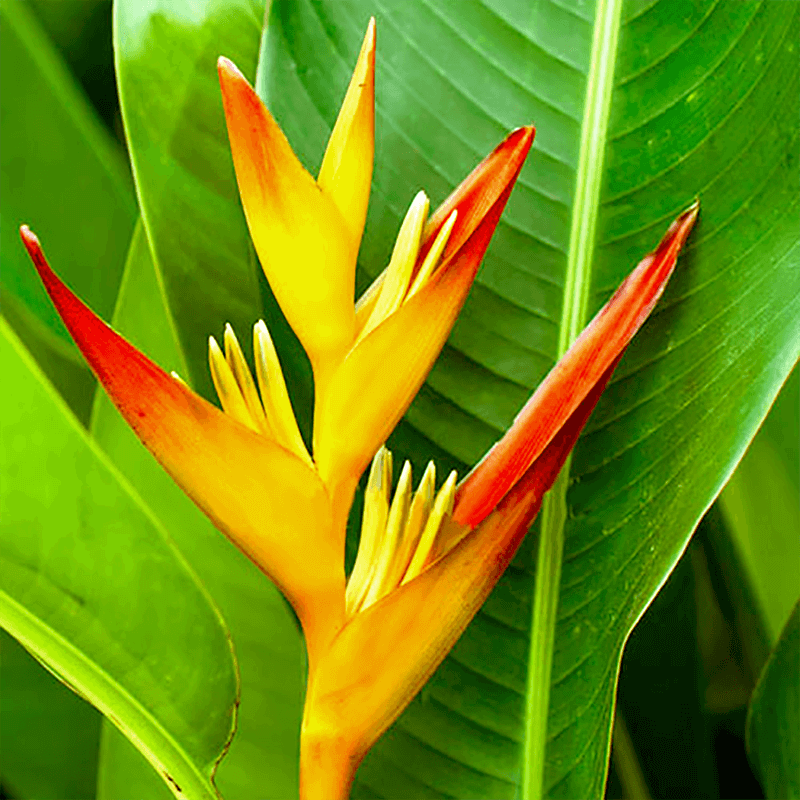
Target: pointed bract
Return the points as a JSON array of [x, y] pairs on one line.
[[572, 378], [222, 465], [346, 171], [305, 246]]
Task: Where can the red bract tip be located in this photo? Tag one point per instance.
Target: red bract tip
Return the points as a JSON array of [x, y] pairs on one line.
[[572, 379]]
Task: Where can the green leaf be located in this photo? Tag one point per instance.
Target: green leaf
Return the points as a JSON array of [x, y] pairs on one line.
[[262, 760], [61, 173], [636, 116], [166, 53], [49, 737], [773, 720], [90, 584], [761, 512], [660, 694]]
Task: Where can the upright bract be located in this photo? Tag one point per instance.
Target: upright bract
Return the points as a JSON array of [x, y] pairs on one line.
[[427, 558]]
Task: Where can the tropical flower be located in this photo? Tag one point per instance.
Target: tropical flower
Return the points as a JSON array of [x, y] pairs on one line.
[[427, 558]]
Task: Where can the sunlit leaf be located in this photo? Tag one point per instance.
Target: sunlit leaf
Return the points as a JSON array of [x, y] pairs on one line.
[[91, 585], [166, 53]]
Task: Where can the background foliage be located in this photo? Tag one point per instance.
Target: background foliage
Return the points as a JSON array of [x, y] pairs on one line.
[[691, 98]]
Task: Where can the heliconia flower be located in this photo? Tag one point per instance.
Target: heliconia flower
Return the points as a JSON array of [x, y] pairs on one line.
[[427, 558], [307, 232], [427, 561]]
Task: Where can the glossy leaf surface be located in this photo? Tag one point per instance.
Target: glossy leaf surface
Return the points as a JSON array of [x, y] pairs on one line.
[[636, 116], [91, 585]]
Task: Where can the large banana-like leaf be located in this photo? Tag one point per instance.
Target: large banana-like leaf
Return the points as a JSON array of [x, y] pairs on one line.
[[166, 53], [90, 584], [640, 107]]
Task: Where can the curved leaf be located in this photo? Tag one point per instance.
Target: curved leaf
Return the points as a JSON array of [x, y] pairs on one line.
[[773, 719], [166, 53], [49, 738], [759, 505], [636, 115], [90, 584]]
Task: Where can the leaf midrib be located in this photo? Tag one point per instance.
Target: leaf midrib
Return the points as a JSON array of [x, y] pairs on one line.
[[594, 131]]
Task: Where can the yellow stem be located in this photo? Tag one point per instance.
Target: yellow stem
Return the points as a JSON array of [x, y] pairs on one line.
[[327, 767]]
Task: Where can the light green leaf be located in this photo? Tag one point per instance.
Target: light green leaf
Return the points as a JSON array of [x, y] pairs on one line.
[[166, 53], [61, 173], [773, 720], [636, 116], [762, 514], [262, 760], [90, 584]]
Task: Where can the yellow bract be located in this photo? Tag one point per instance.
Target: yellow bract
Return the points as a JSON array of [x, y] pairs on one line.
[[346, 171], [396, 539]]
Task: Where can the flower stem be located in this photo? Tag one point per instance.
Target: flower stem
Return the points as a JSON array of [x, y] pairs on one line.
[[327, 768]]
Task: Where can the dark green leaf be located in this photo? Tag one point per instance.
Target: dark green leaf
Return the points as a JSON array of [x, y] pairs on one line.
[[49, 736], [773, 722]]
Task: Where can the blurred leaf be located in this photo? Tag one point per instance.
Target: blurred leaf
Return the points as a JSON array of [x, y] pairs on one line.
[[166, 53], [61, 173], [81, 30], [773, 721], [262, 760], [762, 513], [591, 202], [49, 736], [90, 584], [659, 692]]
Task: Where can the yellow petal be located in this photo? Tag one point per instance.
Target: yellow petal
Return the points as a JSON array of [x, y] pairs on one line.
[[401, 264], [228, 391], [373, 526], [395, 527], [434, 254], [236, 360], [303, 242], [346, 171], [385, 653], [384, 371], [442, 508], [274, 395], [418, 517]]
